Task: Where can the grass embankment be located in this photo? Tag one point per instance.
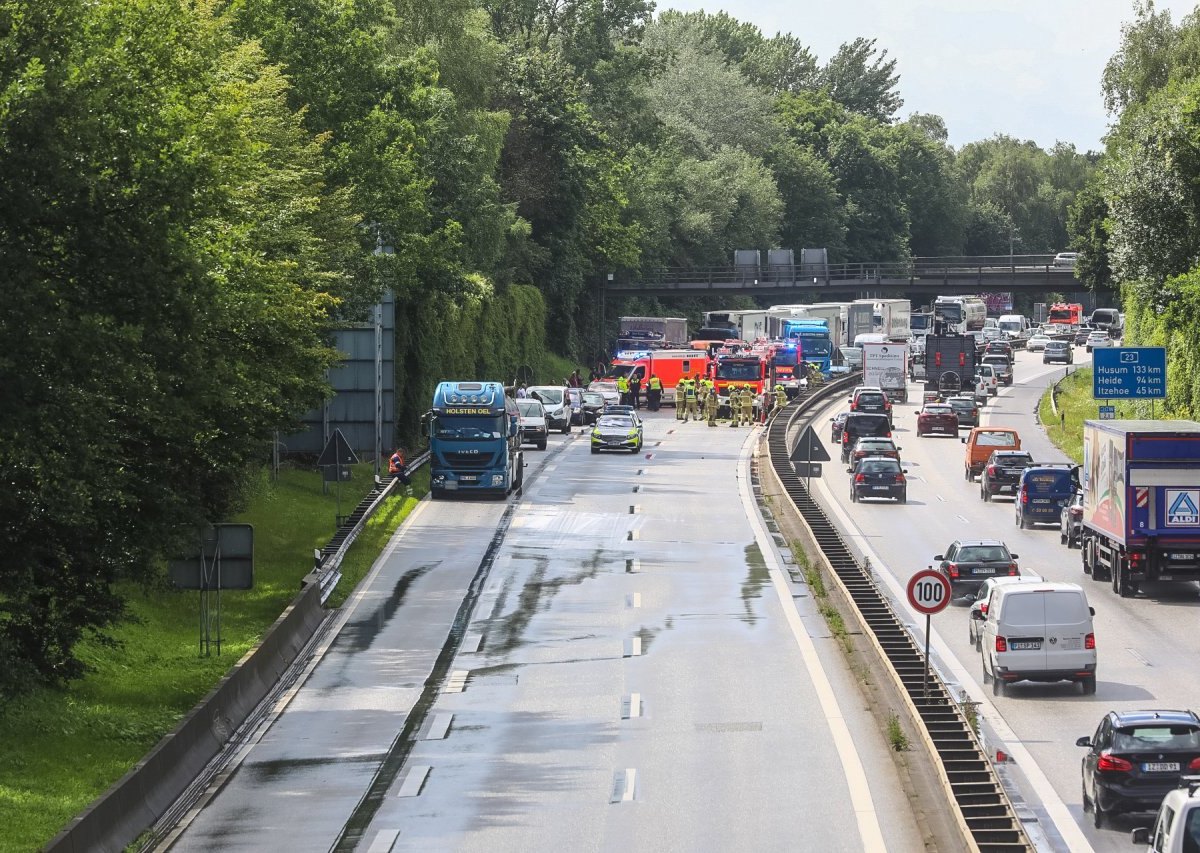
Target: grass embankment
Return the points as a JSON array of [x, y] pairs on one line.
[[59, 749], [1076, 405]]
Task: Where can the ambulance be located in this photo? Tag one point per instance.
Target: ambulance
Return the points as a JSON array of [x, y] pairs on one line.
[[670, 365]]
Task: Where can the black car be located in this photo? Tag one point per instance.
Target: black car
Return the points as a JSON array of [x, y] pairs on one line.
[[1000, 348], [862, 425], [838, 421], [1070, 522], [967, 563], [1002, 473], [967, 410], [878, 477], [874, 402], [593, 405], [1135, 758], [1081, 335]]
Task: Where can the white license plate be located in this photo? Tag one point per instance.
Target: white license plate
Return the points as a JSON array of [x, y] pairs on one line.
[[879, 488], [1160, 767], [1181, 556], [1012, 471], [467, 478], [1025, 647], [1006, 488]]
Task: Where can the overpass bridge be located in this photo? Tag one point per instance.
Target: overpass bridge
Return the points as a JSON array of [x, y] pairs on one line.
[[812, 282]]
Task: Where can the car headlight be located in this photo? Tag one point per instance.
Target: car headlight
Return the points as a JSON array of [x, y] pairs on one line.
[[633, 433]]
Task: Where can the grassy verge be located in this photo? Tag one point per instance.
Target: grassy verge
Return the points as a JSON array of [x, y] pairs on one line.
[[1076, 405], [59, 749]]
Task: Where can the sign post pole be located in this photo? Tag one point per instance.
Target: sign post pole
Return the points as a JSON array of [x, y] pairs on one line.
[[928, 593]]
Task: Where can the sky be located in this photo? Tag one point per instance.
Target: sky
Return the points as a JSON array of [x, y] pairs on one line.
[[1027, 68]]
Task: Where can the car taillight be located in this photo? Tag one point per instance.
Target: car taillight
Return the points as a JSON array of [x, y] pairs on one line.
[[983, 609], [1024, 496], [845, 437], [899, 478], [1195, 764], [1136, 558], [1012, 569], [952, 569], [853, 406], [889, 434], [991, 469], [974, 413], [1089, 642], [1001, 644], [859, 478], [887, 407], [1111, 762]]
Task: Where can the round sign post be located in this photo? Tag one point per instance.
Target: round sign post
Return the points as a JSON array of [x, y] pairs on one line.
[[928, 592]]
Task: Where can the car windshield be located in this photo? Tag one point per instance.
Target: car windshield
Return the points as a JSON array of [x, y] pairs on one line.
[[739, 371], [981, 554], [875, 445], [879, 466], [553, 396], [938, 410], [964, 405], [871, 399], [1156, 738], [591, 398], [531, 408], [1011, 459], [468, 427], [615, 422], [994, 439]]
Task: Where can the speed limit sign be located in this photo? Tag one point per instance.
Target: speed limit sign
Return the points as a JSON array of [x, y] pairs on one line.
[[928, 591]]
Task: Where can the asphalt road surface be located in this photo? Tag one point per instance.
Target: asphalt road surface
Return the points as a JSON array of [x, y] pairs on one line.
[[632, 670], [1147, 646]]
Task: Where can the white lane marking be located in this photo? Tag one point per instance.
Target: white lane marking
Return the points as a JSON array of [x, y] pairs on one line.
[[1139, 657], [414, 780], [634, 509], [633, 536], [631, 706], [865, 815], [384, 841], [624, 784], [633, 565], [633, 648], [633, 600], [1055, 808], [457, 681], [439, 727], [940, 498], [962, 519]]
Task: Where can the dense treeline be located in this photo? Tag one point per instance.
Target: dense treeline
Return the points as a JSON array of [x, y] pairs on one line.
[[193, 194], [1137, 222]]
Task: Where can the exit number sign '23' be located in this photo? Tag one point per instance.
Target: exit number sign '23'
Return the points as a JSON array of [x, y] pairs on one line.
[[1133, 373]]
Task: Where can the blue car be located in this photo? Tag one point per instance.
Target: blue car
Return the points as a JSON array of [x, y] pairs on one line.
[[1042, 493]]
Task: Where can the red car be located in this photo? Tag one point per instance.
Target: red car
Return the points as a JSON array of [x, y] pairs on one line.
[[937, 417]]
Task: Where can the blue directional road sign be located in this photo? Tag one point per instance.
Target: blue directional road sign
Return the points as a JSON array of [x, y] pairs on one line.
[[1129, 373]]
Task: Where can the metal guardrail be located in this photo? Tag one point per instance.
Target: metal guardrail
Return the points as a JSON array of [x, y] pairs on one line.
[[328, 561], [984, 811]]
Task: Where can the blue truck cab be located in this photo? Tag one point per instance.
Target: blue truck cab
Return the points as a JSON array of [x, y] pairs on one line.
[[1042, 493], [474, 433], [810, 336]]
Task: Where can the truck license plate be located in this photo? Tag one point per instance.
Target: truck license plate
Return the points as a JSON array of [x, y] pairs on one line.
[[1160, 767], [1025, 647], [467, 478]]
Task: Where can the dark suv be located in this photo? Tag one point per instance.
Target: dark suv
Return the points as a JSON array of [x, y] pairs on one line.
[[863, 425], [875, 402], [967, 563], [1002, 473], [1042, 493], [1135, 758]]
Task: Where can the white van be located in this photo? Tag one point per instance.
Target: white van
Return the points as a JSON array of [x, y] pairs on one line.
[[870, 338], [1038, 632], [989, 375], [1016, 326]]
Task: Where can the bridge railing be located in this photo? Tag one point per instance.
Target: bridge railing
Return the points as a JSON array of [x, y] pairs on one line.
[[798, 275]]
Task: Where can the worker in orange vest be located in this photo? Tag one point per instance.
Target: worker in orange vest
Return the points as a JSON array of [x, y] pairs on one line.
[[396, 469]]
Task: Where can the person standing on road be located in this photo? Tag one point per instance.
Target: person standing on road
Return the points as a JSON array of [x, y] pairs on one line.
[[635, 390], [623, 390], [710, 408], [654, 392], [781, 399], [522, 392], [690, 412], [680, 397], [735, 405]]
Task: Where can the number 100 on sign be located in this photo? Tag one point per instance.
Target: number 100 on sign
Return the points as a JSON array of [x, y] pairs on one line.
[[928, 591]]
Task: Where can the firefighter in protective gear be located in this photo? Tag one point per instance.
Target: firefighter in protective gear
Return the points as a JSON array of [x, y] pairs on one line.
[[701, 395], [654, 392], [815, 379], [748, 405], [781, 399], [690, 411], [680, 397], [710, 408], [735, 405]]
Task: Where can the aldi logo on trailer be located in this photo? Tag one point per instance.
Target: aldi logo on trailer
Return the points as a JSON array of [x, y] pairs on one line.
[[1183, 507]]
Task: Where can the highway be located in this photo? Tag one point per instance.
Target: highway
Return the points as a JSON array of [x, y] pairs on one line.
[[615, 660], [1147, 647]]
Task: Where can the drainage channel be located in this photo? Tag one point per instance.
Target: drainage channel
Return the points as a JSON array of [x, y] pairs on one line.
[[985, 808]]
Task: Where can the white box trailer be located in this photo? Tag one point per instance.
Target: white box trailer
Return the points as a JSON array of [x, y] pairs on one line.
[[886, 365]]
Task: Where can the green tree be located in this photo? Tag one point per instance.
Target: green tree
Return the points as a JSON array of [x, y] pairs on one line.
[[861, 81], [1087, 225], [171, 260]]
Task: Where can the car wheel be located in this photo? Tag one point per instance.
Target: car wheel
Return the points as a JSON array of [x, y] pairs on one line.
[[1098, 813], [903, 497], [983, 666], [1062, 537], [985, 495], [997, 685], [1087, 801], [595, 450], [967, 474], [541, 445], [1089, 685], [853, 496]]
